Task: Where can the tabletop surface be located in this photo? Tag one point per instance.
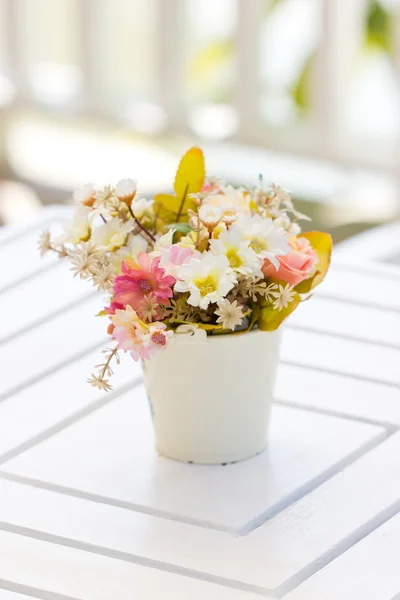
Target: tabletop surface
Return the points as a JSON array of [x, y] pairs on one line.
[[88, 510]]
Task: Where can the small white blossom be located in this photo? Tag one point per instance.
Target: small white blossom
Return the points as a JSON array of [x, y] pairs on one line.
[[112, 235], [283, 297], [99, 382], [103, 277], [210, 215], [208, 279], [140, 206], [230, 314], [85, 195], [104, 197], [286, 224], [126, 189], [44, 242], [77, 230], [82, 262]]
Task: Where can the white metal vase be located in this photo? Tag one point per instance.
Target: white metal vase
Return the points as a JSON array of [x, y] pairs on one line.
[[211, 396]]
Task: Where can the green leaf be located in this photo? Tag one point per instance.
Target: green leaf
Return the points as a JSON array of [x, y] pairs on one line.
[[182, 227], [254, 316], [271, 318]]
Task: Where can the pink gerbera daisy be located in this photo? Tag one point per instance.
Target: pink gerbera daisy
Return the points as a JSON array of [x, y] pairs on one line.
[[140, 280]]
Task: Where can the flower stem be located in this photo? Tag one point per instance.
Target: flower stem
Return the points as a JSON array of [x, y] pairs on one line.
[[179, 213], [138, 223]]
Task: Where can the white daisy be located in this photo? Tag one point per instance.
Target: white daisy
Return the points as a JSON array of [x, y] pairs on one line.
[[126, 190], [112, 235], [230, 314], [241, 257], [267, 240], [283, 296], [85, 195], [134, 245], [208, 279], [77, 230]]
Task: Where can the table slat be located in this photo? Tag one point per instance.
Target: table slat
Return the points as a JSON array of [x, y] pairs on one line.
[[337, 355], [31, 355], [369, 570], [297, 454], [81, 574], [349, 321], [347, 396], [53, 399]]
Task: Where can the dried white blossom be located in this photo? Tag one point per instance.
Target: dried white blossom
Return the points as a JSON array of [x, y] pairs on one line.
[[44, 242], [283, 296], [99, 382], [103, 277], [230, 314]]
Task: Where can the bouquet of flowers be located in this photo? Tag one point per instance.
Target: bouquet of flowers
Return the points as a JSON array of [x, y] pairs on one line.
[[222, 258]]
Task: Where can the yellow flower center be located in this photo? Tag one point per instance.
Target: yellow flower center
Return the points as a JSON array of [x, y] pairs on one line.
[[208, 285], [257, 245], [234, 259]]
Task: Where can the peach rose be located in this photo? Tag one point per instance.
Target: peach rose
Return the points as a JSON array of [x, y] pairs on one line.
[[296, 265]]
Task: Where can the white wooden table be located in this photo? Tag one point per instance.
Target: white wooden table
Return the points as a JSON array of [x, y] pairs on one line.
[[87, 509]]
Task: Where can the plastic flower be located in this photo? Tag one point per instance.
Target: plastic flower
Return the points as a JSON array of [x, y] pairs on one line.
[[77, 230], [295, 266], [141, 206], [85, 195], [208, 279], [103, 277], [267, 240], [241, 257], [283, 296], [112, 235], [210, 216], [173, 257], [44, 242], [103, 198], [149, 309], [140, 279], [125, 190], [285, 223], [135, 245], [230, 314], [158, 338], [129, 332], [134, 336]]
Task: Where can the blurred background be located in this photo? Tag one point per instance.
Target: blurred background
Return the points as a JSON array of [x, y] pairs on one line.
[[306, 92]]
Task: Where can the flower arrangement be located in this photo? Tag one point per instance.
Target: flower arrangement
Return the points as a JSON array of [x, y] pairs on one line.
[[224, 259]]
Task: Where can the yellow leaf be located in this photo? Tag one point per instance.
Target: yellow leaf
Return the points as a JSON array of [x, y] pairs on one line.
[[322, 244], [205, 326], [189, 177], [270, 318]]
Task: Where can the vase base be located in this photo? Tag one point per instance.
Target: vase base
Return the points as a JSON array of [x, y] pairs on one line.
[[210, 461]]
